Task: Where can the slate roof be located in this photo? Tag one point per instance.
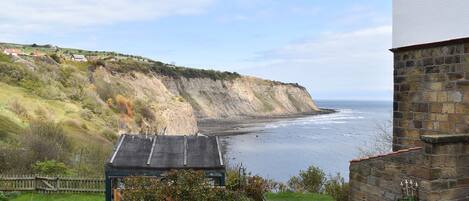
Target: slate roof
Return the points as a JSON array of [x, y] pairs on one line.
[[167, 152]]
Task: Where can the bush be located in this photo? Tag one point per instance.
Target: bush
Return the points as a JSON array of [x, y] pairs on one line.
[[18, 108], [256, 187], [57, 58], [124, 105], [47, 141], [50, 167], [311, 180], [178, 185], [337, 188]]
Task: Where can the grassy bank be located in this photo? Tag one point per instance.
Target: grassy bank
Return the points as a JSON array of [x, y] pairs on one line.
[[59, 197], [290, 196]]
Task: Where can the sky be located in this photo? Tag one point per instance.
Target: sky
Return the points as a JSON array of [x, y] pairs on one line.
[[337, 49]]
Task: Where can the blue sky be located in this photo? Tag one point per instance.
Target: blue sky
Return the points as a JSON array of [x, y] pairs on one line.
[[337, 49]]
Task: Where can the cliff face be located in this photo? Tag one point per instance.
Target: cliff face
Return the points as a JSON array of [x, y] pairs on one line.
[[240, 97], [178, 102]]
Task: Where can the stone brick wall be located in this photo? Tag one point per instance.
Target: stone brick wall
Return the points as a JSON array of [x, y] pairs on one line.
[[447, 158], [431, 93], [441, 168], [378, 178]]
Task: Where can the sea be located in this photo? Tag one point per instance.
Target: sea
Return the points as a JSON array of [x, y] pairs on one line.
[[279, 150]]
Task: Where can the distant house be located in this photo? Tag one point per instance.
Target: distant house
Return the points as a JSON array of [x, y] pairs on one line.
[[12, 51], [79, 57]]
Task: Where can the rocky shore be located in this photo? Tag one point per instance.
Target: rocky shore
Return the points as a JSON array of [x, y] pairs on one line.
[[248, 124]]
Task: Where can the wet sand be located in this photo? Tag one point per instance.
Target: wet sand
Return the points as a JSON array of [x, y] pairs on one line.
[[248, 124]]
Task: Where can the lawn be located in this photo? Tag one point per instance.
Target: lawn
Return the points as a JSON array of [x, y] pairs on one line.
[[59, 197], [289, 196], [100, 197]]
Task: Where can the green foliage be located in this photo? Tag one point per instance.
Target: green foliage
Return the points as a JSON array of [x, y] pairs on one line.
[[129, 65], [313, 179], [50, 167], [3, 197], [16, 74], [185, 185], [4, 58], [254, 187], [178, 72], [310, 180], [337, 188]]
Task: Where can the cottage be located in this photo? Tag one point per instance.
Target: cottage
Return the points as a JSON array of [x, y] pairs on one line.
[[138, 155], [79, 58], [12, 51]]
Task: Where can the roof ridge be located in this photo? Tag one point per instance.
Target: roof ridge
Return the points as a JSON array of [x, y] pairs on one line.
[[387, 154]]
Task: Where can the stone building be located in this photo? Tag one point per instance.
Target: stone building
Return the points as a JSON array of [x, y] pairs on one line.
[[431, 108]]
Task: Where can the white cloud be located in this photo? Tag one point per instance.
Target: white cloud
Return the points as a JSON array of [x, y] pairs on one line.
[[346, 61], [31, 15], [355, 45]]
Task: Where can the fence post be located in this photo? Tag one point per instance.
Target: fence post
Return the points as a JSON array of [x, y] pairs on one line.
[[57, 185], [35, 182]]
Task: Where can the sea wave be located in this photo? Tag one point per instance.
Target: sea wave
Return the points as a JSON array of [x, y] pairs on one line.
[[341, 117]]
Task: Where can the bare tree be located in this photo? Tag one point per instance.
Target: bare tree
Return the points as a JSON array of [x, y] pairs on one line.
[[381, 142]]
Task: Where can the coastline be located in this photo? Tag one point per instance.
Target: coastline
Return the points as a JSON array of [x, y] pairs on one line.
[[248, 124]]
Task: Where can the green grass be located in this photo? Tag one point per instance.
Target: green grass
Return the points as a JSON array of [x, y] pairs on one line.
[[59, 197], [290, 196]]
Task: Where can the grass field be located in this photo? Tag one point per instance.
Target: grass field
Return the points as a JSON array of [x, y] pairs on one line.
[[59, 197], [288, 196]]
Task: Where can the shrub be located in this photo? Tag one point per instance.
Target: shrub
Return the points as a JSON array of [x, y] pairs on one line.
[[57, 58], [50, 167], [313, 179], [124, 105], [46, 141], [16, 107], [256, 187], [295, 184], [337, 188], [310, 180]]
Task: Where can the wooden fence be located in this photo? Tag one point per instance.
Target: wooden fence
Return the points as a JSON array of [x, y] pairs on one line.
[[49, 184]]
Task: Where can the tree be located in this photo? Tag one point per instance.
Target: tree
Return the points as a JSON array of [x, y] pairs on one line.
[[381, 143]]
